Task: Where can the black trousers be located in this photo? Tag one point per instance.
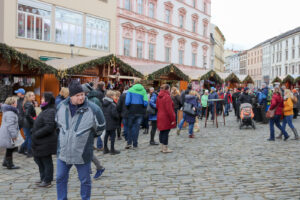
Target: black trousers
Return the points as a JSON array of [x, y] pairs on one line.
[[203, 112], [164, 137], [9, 153], [153, 130], [45, 165], [112, 135]]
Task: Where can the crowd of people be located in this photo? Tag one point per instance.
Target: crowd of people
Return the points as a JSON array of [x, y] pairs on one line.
[[68, 124]]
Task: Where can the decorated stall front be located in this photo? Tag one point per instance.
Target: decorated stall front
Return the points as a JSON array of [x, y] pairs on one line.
[[248, 81], [212, 79], [288, 81], [232, 81], [276, 81], [297, 81]]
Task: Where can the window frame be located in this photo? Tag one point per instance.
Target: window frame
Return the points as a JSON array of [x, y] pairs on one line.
[[125, 47], [139, 52]]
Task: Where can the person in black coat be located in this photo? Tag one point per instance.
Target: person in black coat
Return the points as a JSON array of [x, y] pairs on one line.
[[123, 111], [111, 115], [44, 139], [245, 97], [101, 91]]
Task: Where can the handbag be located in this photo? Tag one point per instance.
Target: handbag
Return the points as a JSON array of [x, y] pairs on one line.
[[188, 109], [271, 113], [19, 141], [150, 110]]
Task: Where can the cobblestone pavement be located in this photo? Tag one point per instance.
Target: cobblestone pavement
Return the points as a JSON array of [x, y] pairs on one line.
[[223, 163]]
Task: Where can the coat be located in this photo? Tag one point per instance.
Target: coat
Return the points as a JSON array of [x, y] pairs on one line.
[[44, 136], [288, 107], [177, 102], [245, 98], [93, 96], [29, 115], [212, 95], [277, 101], [59, 99], [191, 100], [121, 107], [152, 103], [166, 118], [110, 113], [20, 111], [204, 100], [9, 127], [137, 100]]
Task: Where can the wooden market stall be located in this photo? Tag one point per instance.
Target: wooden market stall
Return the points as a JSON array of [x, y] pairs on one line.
[[276, 81], [248, 80], [212, 79], [297, 81], [232, 81], [288, 81]]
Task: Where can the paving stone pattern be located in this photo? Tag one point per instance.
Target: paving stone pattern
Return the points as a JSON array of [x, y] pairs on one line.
[[224, 163]]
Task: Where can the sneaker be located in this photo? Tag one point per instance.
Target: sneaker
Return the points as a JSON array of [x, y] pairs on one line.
[[286, 138], [99, 173], [114, 152], [128, 146], [45, 185], [192, 136], [271, 139], [38, 182]]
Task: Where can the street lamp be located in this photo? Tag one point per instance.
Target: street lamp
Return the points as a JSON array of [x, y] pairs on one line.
[[72, 48]]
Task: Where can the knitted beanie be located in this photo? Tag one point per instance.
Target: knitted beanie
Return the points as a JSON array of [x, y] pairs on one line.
[[75, 88]]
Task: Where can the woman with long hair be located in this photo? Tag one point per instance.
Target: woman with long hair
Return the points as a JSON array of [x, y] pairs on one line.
[[277, 104], [28, 120], [44, 139], [175, 95], [63, 94]]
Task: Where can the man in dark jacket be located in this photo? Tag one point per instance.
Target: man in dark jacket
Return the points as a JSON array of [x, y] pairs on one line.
[[112, 122], [227, 101], [263, 102], [101, 90], [123, 110], [21, 94], [245, 97]]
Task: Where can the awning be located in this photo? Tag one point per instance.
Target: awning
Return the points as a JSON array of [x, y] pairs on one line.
[[124, 77]]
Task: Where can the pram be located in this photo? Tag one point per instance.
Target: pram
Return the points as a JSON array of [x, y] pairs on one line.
[[246, 115]]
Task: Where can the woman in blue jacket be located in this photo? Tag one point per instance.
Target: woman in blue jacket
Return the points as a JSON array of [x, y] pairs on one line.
[[153, 118]]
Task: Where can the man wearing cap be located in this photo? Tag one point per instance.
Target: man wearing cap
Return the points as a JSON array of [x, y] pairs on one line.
[[78, 121], [245, 97]]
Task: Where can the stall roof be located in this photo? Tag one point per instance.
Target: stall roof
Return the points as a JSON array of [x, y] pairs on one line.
[[213, 74], [67, 63], [10, 54], [166, 70]]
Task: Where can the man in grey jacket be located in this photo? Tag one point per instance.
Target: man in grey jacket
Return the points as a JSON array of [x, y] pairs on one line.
[[79, 121]]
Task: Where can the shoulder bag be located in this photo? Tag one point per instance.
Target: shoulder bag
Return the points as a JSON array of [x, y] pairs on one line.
[[188, 109], [271, 113]]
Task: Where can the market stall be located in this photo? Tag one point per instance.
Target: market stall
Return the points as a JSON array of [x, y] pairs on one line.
[[276, 81], [297, 81], [288, 81], [212, 79], [248, 81], [232, 81]]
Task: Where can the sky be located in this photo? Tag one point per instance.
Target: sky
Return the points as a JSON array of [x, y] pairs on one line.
[[246, 23]]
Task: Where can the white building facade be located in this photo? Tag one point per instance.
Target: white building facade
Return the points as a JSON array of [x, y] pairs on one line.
[[285, 54], [152, 31], [266, 62], [232, 64]]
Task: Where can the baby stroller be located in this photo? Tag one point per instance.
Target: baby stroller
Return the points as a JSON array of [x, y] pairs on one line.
[[247, 115]]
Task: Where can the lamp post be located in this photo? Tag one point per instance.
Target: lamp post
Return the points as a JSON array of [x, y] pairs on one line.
[[72, 48]]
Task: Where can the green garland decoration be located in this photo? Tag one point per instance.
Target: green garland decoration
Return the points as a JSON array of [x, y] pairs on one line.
[[288, 78], [166, 70], [12, 55], [212, 74], [277, 79], [248, 79], [297, 79], [232, 78], [77, 69]]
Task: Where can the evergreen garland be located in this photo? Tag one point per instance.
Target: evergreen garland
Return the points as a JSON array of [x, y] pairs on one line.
[[277, 79], [102, 61], [232, 78], [12, 55], [212, 75], [166, 70], [297, 79], [288, 78], [248, 79]]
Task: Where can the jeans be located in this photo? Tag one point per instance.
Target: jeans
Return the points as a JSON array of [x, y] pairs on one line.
[[112, 135], [191, 128], [191, 125], [27, 143], [62, 177], [164, 137], [276, 120], [45, 165], [212, 111], [227, 107], [125, 125], [134, 122], [288, 120], [99, 143], [153, 130]]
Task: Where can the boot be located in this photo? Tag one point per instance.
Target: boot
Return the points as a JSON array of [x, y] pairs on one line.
[[166, 150], [152, 142], [295, 133], [4, 163], [10, 164], [112, 149], [178, 131], [279, 136], [161, 147], [146, 131], [106, 150]]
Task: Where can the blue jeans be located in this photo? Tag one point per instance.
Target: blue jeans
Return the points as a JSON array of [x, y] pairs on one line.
[[125, 125], [62, 177], [99, 143], [212, 111], [227, 107], [288, 120], [134, 122], [27, 143], [191, 125], [276, 120]]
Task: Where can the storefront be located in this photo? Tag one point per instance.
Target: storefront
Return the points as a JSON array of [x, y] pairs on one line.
[[212, 79], [289, 81], [248, 82], [232, 81]]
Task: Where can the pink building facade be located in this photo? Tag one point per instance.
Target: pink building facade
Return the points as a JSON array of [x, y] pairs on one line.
[[162, 31]]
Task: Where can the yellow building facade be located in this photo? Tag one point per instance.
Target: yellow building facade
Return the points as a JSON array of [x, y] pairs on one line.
[[49, 28], [219, 60]]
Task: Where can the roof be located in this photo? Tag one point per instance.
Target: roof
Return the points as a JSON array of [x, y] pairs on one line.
[[288, 33], [66, 63]]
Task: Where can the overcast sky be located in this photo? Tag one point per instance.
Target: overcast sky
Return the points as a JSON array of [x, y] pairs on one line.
[[246, 23]]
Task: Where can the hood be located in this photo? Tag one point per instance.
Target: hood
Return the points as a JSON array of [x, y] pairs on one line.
[[188, 97], [93, 93], [107, 101], [163, 93], [6, 108], [136, 87]]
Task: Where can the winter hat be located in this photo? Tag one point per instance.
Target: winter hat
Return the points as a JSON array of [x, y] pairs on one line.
[[87, 87], [75, 88]]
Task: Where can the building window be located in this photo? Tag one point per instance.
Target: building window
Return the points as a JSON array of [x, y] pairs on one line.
[[151, 51], [286, 70], [194, 26], [68, 27], [279, 71], [140, 6], [181, 21], [127, 47], [286, 55], [293, 69], [151, 10], [139, 52], [168, 16], [194, 57], [286, 44], [181, 57], [293, 41], [167, 54], [97, 33], [293, 53], [34, 20], [204, 30], [194, 3], [204, 62], [128, 4]]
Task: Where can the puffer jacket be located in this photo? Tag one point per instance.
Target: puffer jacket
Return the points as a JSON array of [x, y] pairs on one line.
[[288, 107], [152, 103], [9, 126], [29, 115], [44, 136], [110, 113], [277, 102], [245, 98], [166, 118], [76, 134], [137, 100]]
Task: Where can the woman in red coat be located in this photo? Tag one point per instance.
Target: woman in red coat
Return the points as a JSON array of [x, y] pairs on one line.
[[166, 119]]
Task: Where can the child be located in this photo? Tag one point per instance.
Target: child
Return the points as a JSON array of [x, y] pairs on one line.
[[111, 114]]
